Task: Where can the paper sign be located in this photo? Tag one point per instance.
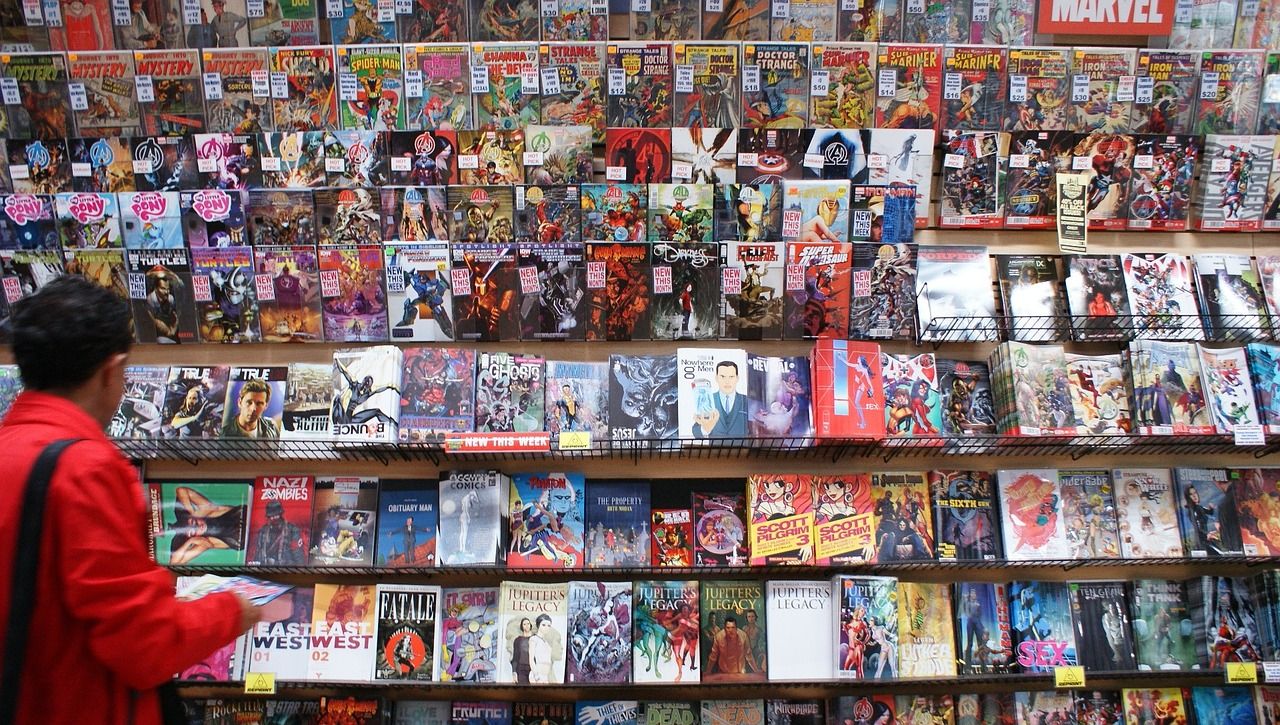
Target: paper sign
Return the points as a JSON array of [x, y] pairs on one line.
[[1072, 218], [615, 173], [578, 440], [550, 81], [333, 9], [348, 87], [146, 89], [750, 79], [9, 92], [888, 85], [1145, 92], [1018, 88], [529, 82], [952, 86], [1070, 676], [260, 683], [79, 98], [256, 8], [684, 79], [981, 11], [748, 159], [1079, 88], [662, 280], [1242, 673], [781, 9], [468, 161], [335, 165], [270, 163], [641, 6], [1209, 86], [953, 161], [1144, 161], [1125, 88], [213, 86], [1019, 161], [413, 83], [1249, 435], [617, 82], [1081, 163], [1271, 672], [479, 79], [533, 158], [819, 83]]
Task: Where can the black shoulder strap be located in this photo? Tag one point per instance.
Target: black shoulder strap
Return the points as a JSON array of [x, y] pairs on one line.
[[22, 591]]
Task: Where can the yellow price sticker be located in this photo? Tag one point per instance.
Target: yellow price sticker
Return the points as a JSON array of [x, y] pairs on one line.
[[1066, 677], [260, 683], [575, 440], [1242, 673]]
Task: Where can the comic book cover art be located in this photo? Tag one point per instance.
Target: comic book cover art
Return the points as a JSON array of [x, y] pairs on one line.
[[1110, 169], [581, 402], [966, 521], [292, 159], [39, 166], [973, 179], [817, 287], [288, 284], [703, 155], [680, 213], [225, 294], [1230, 83], [23, 272], [437, 92], [973, 91], [1030, 290], [419, 296], [685, 301], [552, 290], [1148, 704], [575, 20], [356, 158], [1160, 190], [244, 105], [431, 21], [194, 402], [1269, 103], [405, 639], [781, 525], [707, 93], [1096, 297], [748, 213], [967, 400], [1035, 157], [306, 404], [509, 393], [671, 544], [954, 301], [565, 153], [104, 267], [369, 410], [903, 516], [177, 98], [360, 22], [1102, 625], [281, 217], [509, 98], [1231, 296], [665, 20], [731, 712], [752, 277], [1207, 511], [228, 161], [775, 84], [473, 506], [164, 163], [177, 509], [280, 523], [984, 642], [1089, 512], [806, 21], [713, 393], [1039, 97], [547, 523], [303, 88], [100, 165], [141, 408], [88, 220], [533, 640], [600, 640], [1271, 211], [1227, 627], [151, 219], [926, 640], [40, 106], [842, 85], [1255, 502], [28, 222], [639, 85], [292, 23], [1214, 705], [868, 627], [779, 396], [437, 393], [642, 398], [1232, 193], [907, 90], [573, 85], [1162, 626], [494, 21], [160, 289], [617, 513], [795, 712], [82, 26], [842, 527], [468, 646], [110, 105], [637, 156], [719, 529], [1099, 394], [733, 631], [1164, 100], [550, 713], [618, 290], [484, 283], [736, 20], [483, 712], [1032, 516], [1101, 97], [254, 405], [815, 212], [1041, 623], [1168, 392], [1264, 369], [371, 88], [426, 158], [848, 400], [348, 216], [903, 157], [353, 293], [1161, 297], [768, 156], [343, 521], [884, 291], [665, 645]]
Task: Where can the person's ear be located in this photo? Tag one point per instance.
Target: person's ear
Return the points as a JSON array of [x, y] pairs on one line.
[[113, 368]]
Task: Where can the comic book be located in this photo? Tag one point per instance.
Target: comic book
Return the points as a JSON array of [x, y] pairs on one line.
[[84, 27], [213, 218], [713, 393], [815, 211], [842, 85], [707, 89], [618, 288], [1103, 89], [973, 91], [140, 411], [292, 159], [509, 393], [1099, 394], [368, 410], [495, 22], [573, 84], [546, 713], [665, 20], [405, 635], [806, 21], [1089, 508], [407, 514], [173, 508], [1030, 290], [509, 97], [348, 216], [577, 401], [671, 542], [38, 106], [1161, 297], [438, 392], [637, 156], [965, 520], [682, 214], [1230, 295], [564, 152], [752, 277], [1204, 24], [719, 530], [903, 517], [1105, 641], [483, 280], [481, 713], [781, 526], [1168, 391], [907, 86], [734, 653], [24, 271], [437, 85], [1232, 193], [1041, 622], [768, 156], [973, 179], [665, 615], [1162, 626], [88, 220], [736, 20], [1147, 703], [1160, 190], [842, 519], [294, 23], [1033, 523], [817, 285], [39, 166], [1105, 161], [174, 103], [473, 506], [1165, 91], [617, 522], [1230, 83], [968, 406], [371, 90], [984, 640], [575, 20], [1215, 704], [775, 85], [104, 80], [1269, 103], [356, 158], [151, 220], [359, 22], [280, 532], [882, 213], [343, 624], [903, 157], [866, 617], [161, 292], [1097, 297], [1271, 210], [242, 105], [532, 623], [104, 267], [283, 644], [164, 163], [353, 293], [639, 85], [926, 640], [607, 712], [225, 294], [306, 404], [685, 302], [1035, 157], [597, 652], [847, 385], [303, 88], [779, 396], [749, 213], [1207, 511], [884, 291], [419, 297], [422, 158], [1265, 373], [100, 165], [1226, 627], [1039, 97], [795, 712], [431, 21], [1267, 701], [954, 302], [282, 217], [732, 712], [642, 399]]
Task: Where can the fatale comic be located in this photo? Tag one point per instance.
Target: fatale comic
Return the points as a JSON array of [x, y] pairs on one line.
[[1089, 509], [775, 80], [967, 402], [926, 640], [842, 85], [733, 631], [552, 290], [423, 158], [371, 88], [482, 214], [638, 156], [111, 106], [226, 301], [292, 159], [1230, 82], [806, 21], [1030, 290], [708, 93], [953, 302], [437, 393], [617, 511], [356, 158], [576, 95], [642, 398], [1042, 625], [681, 213], [228, 161], [432, 21], [639, 85], [547, 520], [282, 217], [617, 284], [509, 98], [665, 645], [360, 22], [752, 281], [1160, 189], [160, 288], [1161, 296], [406, 632], [292, 23], [88, 220], [1031, 513], [685, 301], [420, 301], [101, 165], [912, 398], [1265, 372], [1035, 157], [39, 166], [867, 622], [1232, 193], [151, 219], [353, 293], [1102, 625], [973, 90], [817, 290], [498, 21], [768, 156], [704, 155], [719, 529], [908, 80], [1230, 296], [288, 283], [443, 100], [1039, 90], [468, 646], [244, 107], [984, 640], [509, 393], [348, 216], [41, 107], [843, 519], [177, 107], [973, 179], [164, 163], [1099, 101], [965, 517], [485, 292], [173, 510], [564, 152], [737, 20], [883, 304], [303, 88], [1165, 93]]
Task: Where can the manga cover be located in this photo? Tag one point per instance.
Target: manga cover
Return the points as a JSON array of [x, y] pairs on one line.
[[293, 23], [719, 530], [600, 640], [348, 216], [1207, 512], [422, 158], [151, 219], [707, 92], [175, 104], [842, 85], [225, 295], [292, 159], [1032, 519], [618, 287], [907, 83], [1101, 96], [577, 401], [406, 524], [926, 644], [1030, 290], [438, 392], [779, 397], [110, 106], [1035, 157], [509, 393], [473, 505], [618, 523], [40, 105], [1041, 622], [847, 385], [573, 83], [371, 88], [639, 86], [1230, 296], [160, 289], [368, 410], [483, 280], [671, 544], [1160, 189], [1109, 159], [419, 297], [218, 510], [342, 638], [781, 525], [282, 217], [642, 399], [984, 641], [734, 633], [164, 163], [704, 155], [867, 622], [100, 165], [1096, 297], [303, 88], [973, 179], [405, 638], [1264, 369], [665, 20], [565, 153], [685, 302], [213, 218], [713, 393], [903, 517], [903, 157], [1230, 84], [431, 21], [353, 293], [285, 642], [532, 624], [954, 302], [736, 20], [665, 644], [842, 525], [1168, 392], [437, 86], [775, 85], [508, 99], [817, 284], [1102, 632], [768, 156], [1226, 628], [306, 406], [1089, 511], [88, 220], [1039, 97], [103, 267], [973, 91], [965, 518], [806, 21], [360, 22], [1161, 297], [636, 157], [356, 158], [141, 408], [280, 524], [883, 304], [243, 105]]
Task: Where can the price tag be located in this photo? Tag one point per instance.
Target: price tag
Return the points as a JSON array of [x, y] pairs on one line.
[[814, 161], [191, 12], [599, 7], [1209, 86], [335, 165], [953, 161], [1019, 161], [888, 83], [529, 280], [386, 11], [1125, 88], [1242, 673], [413, 83], [120, 16], [348, 86], [1144, 161], [1081, 163], [404, 7], [206, 165], [641, 6], [213, 86], [333, 9], [142, 166], [1070, 676], [1018, 88], [577, 440], [915, 7], [1249, 435], [1271, 672], [460, 281], [848, 4], [79, 98], [31, 14], [19, 171], [81, 170], [820, 83], [1079, 88], [53, 13], [146, 89], [952, 86], [684, 79], [550, 8], [260, 683], [750, 79], [617, 82], [662, 280], [1145, 93], [1249, 8], [529, 82], [1220, 166], [468, 161], [479, 79], [260, 82], [1182, 11], [533, 158], [401, 163], [681, 170], [615, 173], [550, 81], [256, 8], [877, 161], [748, 159], [981, 11], [279, 85], [265, 286], [781, 9], [9, 92], [270, 163], [715, 6]]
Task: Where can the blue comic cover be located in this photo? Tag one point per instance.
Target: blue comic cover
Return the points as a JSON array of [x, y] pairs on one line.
[[1264, 369], [779, 397], [547, 512], [407, 513], [1042, 625], [984, 642], [577, 400], [607, 712], [1217, 705], [1207, 512], [618, 524], [468, 647], [151, 219]]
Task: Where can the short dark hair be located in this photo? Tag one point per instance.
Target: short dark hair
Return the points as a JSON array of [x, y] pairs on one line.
[[255, 385], [66, 330], [727, 364]]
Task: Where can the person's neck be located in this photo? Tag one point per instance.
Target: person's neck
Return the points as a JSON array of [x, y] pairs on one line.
[[86, 399], [247, 428]]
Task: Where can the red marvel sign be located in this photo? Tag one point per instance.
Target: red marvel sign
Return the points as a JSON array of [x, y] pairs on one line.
[[1105, 17]]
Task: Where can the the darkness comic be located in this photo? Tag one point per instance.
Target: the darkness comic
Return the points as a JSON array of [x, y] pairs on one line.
[[1039, 90], [356, 158], [291, 23], [509, 393], [707, 88], [907, 86], [353, 293], [228, 161], [973, 90], [371, 90], [966, 520], [292, 159], [303, 88], [160, 290], [226, 298], [578, 402], [686, 290], [110, 105], [244, 89], [665, 20], [638, 155], [423, 158], [1230, 83], [775, 85], [552, 291], [573, 85], [431, 21], [973, 178], [174, 103], [642, 399], [883, 299], [1103, 635], [498, 21], [639, 85], [420, 301], [88, 220], [1165, 91], [818, 290], [984, 640], [360, 22], [1035, 157], [547, 214], [37, 105], [558, 155], [508, 98], [348, 216], [288, 285], [280, 217], [437, 87], [164, 163], [1160, 187], [752, 278], [618, 284], [437, 392], [1101, 95], [485, 291]]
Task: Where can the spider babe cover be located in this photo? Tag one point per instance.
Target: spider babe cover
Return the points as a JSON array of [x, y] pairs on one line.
[[666, 637], [365, 394]]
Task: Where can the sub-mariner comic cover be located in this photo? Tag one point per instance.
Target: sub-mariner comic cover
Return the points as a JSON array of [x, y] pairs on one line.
[[419, 298], [617, 284], [164, 163], [642, 398], [348, 216], [775, 85], [973, 87], [226, 298], [573, 85], [353, 293], [39, 106], [485, 292], [781, 525], [1160, 189], [666, 639], [437, 87], [1147, 513], [842, 519], [1035, 157], [1232, 192], [1101, 93], [160, 289], [371, 88], [912, 398], [817, 290], [883, 304], [509, 97], [1039, 97], [1089, 512], [984, 642], [806, 21], [110, 105], [151, 219], [1165, 93], [867, 644], [719, 529], [244, 105], [752, 277], [294, 22], [281, 217], [842, 85], [547, 521], [509, 393], [708, 88], [552, 291], [1230, 84], [1032, 523], [437, 393], [101, 165], [926, 639], [88, 220], [973, 179], [303, 88], [966, 521], [908, 83], [903, 517], [685, 300], [467, 650], [1042, 625], [288, 285], [639, 85], [360, 22], [1161, 295], [176, 104]]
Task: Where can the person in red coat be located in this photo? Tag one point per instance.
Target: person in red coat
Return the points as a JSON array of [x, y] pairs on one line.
[[106, 629]]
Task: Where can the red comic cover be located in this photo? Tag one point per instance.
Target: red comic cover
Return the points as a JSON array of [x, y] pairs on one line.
[[303, 97], [618, 288], [1230, 82], [1039, 90], [85, 25], [176, 105], [280, 523], [909, 86], [848, 394], [638, 155], [844, 521], [973, 87], [573, 85], [817, 282], [781, 528], [110, 106], [671, 532]]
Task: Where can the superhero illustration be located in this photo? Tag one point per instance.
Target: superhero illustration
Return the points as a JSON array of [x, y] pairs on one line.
[[240, 110], [289, 308], [1160, 188], [1169, 105], [618, 284], [418, 280], [615, 212], [348, 216], [504, 20], [643, 99], [868, 628], [547, 517], [437, 392], [360, 22], [164, 163], [1101, 108], [444, 104], [225, 294], [365, 406], [552, 282], [282, 217], [354, 294], [973, 177], [308, 102], [599, 632], [579, 71], [973, 87], [371, 88], [887, 274], [915, 100], [110, 98], [818, 290], [1040, 101], [547, 214], [292, 159], [850, 75], [903, 517], [512, 99], [913, 405], [106, 164], [565, 154], [1035, 157], [1031, 510], [1161, 297], [708, 94], [640, 156], [485, 307], [781, 98]]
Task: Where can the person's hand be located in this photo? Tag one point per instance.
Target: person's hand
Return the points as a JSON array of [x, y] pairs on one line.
[[816, 230], [250, 613]]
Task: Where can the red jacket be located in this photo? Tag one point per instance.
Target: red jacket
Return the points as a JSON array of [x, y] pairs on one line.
[[105, 622]]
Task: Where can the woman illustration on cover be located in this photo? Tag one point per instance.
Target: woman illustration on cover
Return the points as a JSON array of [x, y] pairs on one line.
[[202, 525]]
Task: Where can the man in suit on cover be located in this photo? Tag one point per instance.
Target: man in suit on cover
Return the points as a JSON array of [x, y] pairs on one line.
[[728, 417]]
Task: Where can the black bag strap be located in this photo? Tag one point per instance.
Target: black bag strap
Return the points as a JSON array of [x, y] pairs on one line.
[[22, 592]]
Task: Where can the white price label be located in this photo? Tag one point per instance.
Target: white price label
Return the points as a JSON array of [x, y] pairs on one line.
[[1182, 11], [952, 86], [142, 166], [468, 161], [681, 170], [404, 7], [814, 161], [256, 8], [641, 6], [715, 6], [820, 83], [1144, 161], [270, 163], [413, 83], [9, 92], [1125, 88], [386, 11], [279, 85], [191, 12], [1249, 8], [529, 82], [213, 86], [750, 79], [146, 89], [888, 85], [1081, 163], [981, 11], [1209, 86], [748, 159], [662, 279], [848, 4], [80, 169], [1018, 88], [684, 79], [1271, 672], [348, 86], [599, 7], [53, 13], [260, 82], [533, 158], [79, 98], [877, 161], [781, 9], [615, 173], [550, 8], [19, 172], [31, 14], [120, 17], [479, 79], [335, 165], [617, 82], [550, 81], [1079, 88], [1249, 435], [1019, 161], [333, 9], [206, 165], [401, 163], [953, 161], [1145, 92], [1220, 166], [915, 7]]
